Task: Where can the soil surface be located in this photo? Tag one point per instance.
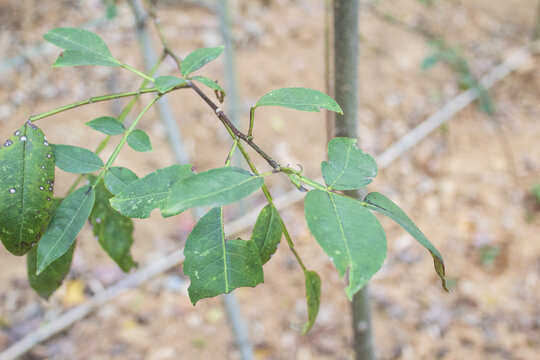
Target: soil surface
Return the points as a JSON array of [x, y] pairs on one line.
[[467, 185]]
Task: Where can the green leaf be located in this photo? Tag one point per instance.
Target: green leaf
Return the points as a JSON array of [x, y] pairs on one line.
[[215, 187], [380, 203], [65, 224], [117, 178], [141, 196], [199, 58], [75, 159], [217, 266], [347, 167], [299, 98], [313, 297], [167, 82], [82, 47], [267, 232], [209, 82], [139, 141], [26, 188], [107, 125], [349, 234], [113, 230], [52, 277]]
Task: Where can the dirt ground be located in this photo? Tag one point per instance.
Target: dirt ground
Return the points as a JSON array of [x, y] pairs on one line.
[[467, 185]]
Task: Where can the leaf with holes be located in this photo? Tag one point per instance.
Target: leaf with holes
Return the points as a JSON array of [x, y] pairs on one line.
[[349, 234], [75, 159], [114, 231], [217, 266], [267, 232], [167, 82], [141, 196], [82, 47], [107, 125], [380, 203], [299, 98], [347, 167], [313, 297], [51, 278], [199, 58], [139, 141], [65, 224], [26, 188], [117, 178], [214, 187]]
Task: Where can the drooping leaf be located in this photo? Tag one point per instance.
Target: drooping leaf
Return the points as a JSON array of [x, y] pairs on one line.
[[139, 141], [217, 266], [209, 82], [267, 232], [107, 125], [313, 297], [347, 167], [214, 187], [385, 206], [117, 178], [82, 47], [299, 98], [199, 58], [167, 82], [349, 234], [75, 159], [51, 278], [141, 196], [114, 231], [65, 224], [26, 188]]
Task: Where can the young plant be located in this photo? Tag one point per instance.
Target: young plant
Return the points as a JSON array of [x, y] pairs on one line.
[[45, 228]]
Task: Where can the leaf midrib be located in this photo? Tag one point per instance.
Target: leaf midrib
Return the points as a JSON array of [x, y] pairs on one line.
[[80, 47], [344, 167], [342, 231]]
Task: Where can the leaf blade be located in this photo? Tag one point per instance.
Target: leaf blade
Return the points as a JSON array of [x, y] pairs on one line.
[[216, 266], [139, 141], [380, 203], [117, 178], [65, 224], [313, 298], [214, 187], [350, 235], [167, 82], [199, 58], [75, 159], [347, 168], [140, 197], [299, 98], [267, 232], [209, 82], [26, 188], [107, 125]]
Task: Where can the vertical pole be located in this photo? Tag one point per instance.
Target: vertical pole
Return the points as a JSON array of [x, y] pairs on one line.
[[346, 94], [536, 31]]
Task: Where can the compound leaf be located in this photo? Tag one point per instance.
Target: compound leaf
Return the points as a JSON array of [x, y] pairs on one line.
[[299, 98], [107, 125], [82, 47], [267, 232], [199, 58], [75, 159], [26, 188], [117, 178], [52, 277], [217, 266], [167, 82], [114, 231], [140, 197], [349, 234], [313, 297], [65, 224], [380, 203], [139, 141], [347, 167], [214, 187]]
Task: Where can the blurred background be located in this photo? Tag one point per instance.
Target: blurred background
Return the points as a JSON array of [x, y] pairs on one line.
[[472, 185]]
